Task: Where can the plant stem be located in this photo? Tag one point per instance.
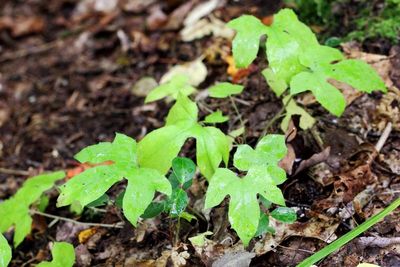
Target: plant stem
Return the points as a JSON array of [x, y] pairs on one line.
[[239, 116], [275, 118], [178, 227], [115, 225]]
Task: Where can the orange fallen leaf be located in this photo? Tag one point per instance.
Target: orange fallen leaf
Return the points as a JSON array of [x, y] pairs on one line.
[[234, 72], [83, 167], [84, 235], [268, 20]]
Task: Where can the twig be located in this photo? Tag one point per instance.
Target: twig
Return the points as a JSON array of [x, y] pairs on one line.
[[296, 249], [115, 225], [14, 172], [30, 51], [385, 135], [377, 241]]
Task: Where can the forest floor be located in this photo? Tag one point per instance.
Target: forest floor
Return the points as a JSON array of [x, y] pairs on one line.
[[68, 79]]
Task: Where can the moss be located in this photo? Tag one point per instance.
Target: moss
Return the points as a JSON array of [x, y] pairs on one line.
[[351, 19]]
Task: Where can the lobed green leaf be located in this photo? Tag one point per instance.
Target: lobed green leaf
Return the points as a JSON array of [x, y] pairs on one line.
[[63, 256], [287, 38], [94, 182], [15, 210], [160, 147], [270, 150], [246, 43], [325, 93]]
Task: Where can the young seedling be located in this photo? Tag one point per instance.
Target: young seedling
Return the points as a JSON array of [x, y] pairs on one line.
[[63, 256], [91, 184], [15, 211], [296, 58], [263, 176], [157, 149], [181, 178]]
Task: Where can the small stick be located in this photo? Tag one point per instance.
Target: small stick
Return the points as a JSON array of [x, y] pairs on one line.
[[27, 52], [384, 137], [14, 172], [115, 225]]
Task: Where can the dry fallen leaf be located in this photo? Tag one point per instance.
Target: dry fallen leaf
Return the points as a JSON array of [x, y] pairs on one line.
[[201, 10], [20, 26], [237, 74], [84, 235], [314, 228], [206, 27], [195, 70]]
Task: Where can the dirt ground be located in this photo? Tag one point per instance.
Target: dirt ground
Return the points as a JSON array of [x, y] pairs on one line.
[[68, 70]]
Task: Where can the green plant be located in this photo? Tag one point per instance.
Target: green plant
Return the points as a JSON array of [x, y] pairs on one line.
[[63, 256], [297, 59], [91, 184], [181, 178], [212, 146], [216, 117], [385, 23], [5, 251], [263, 176], [338, 243], [222, 90], [15, 211], [179, 84]]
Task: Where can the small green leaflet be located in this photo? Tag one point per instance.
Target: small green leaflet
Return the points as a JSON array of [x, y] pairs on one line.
[[244, 210], [5, 251], [15, 210], [153, 210], [306, 120], [284, 214], [247, 40], [178, 202], [91, 184], [263, 226], [216, 117], [181, 178], [183, 170], [263, 176], [200, 239], [225, 89], [63, 256], [178, 84], [161, 146], [322, 66]]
